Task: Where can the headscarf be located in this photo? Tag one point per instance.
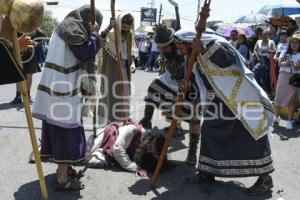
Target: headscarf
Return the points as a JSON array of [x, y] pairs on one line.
[[110, 44], [75, 28]]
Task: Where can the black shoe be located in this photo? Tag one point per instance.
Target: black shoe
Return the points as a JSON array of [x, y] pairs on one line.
[[146, 123], [17, 100], [263, 185]]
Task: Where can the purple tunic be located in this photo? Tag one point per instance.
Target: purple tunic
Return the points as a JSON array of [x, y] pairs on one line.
[[88, 49], [63, 145]]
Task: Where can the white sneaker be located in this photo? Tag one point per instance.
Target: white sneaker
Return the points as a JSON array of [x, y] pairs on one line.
[[276, 120], [289, 125]]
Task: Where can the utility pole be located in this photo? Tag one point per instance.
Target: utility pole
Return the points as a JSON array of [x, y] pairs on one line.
[[152, 5], [159, 17]]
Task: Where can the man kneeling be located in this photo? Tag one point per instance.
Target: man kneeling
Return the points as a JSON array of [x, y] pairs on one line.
[[128, 145]]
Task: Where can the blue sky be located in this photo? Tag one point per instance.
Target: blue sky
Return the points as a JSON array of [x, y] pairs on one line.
[[225, 10]]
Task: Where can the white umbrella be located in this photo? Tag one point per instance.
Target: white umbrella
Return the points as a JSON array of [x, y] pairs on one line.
[[283, 8], [256, 18]]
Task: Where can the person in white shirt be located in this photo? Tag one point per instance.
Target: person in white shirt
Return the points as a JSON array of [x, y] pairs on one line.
[[285, 93], [127, 145], [282, 45], [263, 48]]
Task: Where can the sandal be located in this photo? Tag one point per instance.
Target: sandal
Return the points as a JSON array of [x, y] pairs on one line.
[[200, 179], [262, 186], [73, 174], [70, 185]]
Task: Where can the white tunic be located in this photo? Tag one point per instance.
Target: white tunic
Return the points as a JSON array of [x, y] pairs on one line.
[[126, 134], [58, 99]]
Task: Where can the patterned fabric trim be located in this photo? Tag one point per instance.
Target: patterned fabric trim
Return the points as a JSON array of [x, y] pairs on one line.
[[61, 69], [235, 163], [106, 31], [109, 52], [236, 172], [48, 158], [60, 94], [230, 101], [212, 50]]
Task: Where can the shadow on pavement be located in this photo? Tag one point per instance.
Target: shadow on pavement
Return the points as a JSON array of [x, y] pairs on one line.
[[177, 141], [176, 190], [172, 184], [7, 106], [284, 133], [32, 191]]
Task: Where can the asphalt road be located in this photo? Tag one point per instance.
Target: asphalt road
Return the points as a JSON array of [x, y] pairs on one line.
[[18, 179]]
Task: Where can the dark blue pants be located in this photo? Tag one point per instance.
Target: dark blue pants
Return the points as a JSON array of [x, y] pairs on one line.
[[152, 59], [262, 74]]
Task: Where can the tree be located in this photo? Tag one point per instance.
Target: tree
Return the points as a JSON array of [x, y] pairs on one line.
[[49, 23]]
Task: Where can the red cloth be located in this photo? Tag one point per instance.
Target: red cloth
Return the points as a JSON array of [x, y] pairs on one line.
[[273, 72], [111, 133]]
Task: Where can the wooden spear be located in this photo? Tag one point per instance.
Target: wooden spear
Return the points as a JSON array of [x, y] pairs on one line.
[[200, 28], [118, 57], [26, 103]]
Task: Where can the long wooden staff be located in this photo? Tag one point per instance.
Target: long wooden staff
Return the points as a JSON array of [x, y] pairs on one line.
[[29, 120], [200, 29], [118, 57], [93, 12], [93, 20]]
